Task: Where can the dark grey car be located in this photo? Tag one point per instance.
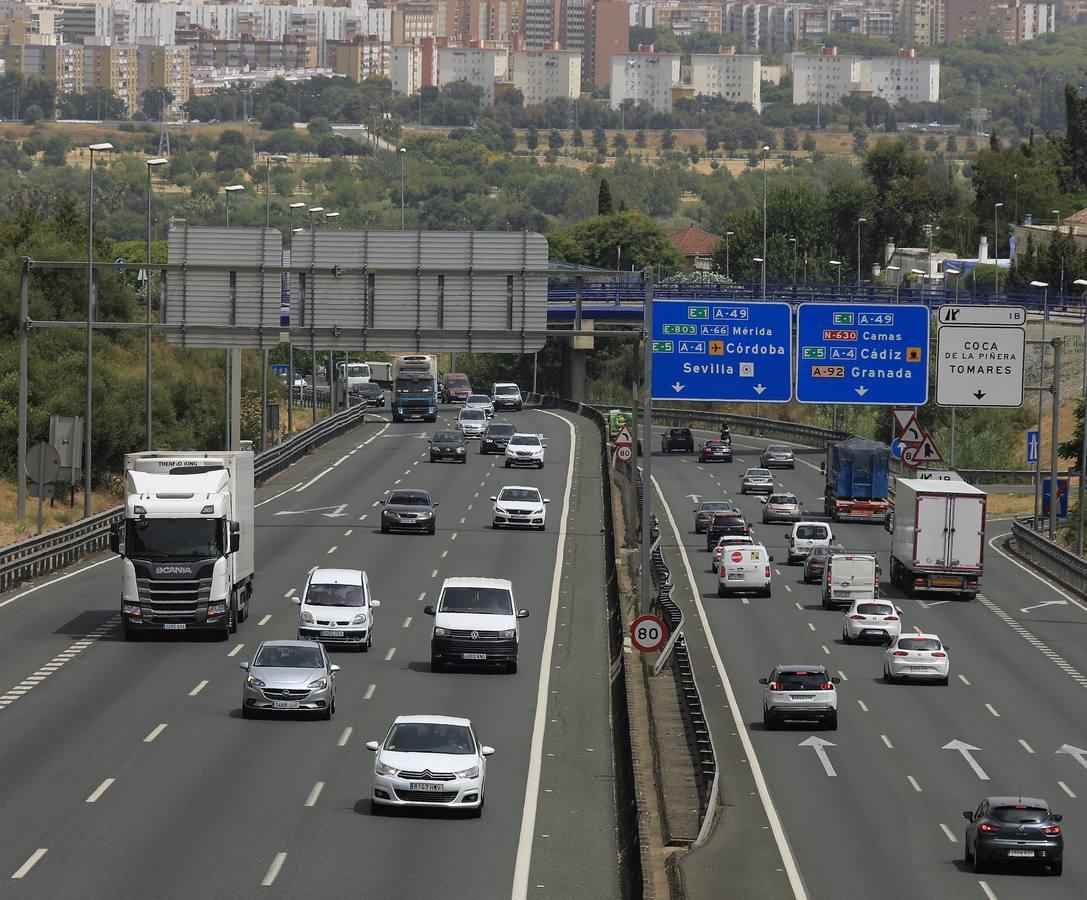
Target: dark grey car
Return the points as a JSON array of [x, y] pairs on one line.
[[1014, 830], [496, 437], [816, 561], [448, 445], [408, 510]]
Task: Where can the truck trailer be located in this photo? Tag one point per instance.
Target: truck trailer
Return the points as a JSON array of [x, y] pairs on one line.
[[856, 481], [186, 541]]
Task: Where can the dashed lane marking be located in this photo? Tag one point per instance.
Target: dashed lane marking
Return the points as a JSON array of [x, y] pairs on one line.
[[949, 833], [913, 783], [345, 736], [237, 649], [1015, 626], [196, 690], [155, 732], [1026, 746], [99, 791], [273, 870], [265, 620], [369, 692], [22, 871], [311, 800]]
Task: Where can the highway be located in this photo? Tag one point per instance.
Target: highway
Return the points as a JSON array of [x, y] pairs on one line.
[[126, 769], [884, 815]]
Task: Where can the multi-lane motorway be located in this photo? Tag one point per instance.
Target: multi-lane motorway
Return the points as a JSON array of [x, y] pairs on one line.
[[884, 815], [126, 769]]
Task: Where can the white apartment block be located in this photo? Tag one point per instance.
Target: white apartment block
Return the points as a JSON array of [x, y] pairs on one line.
[[893, 78], [413, 67], [827, 77], [541, 75], [735, 77], [824, 77], [477, 66], [644, 77]]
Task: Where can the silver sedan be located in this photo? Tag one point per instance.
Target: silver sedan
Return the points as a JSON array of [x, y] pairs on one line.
[[289, 676], [778, 457], [757, 481], [781, 508]]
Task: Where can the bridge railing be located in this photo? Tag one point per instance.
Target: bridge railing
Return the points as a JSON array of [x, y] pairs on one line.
[[1062, 564]]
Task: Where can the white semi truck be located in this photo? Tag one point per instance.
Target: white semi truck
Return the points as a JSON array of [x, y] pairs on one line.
[[186, 541]]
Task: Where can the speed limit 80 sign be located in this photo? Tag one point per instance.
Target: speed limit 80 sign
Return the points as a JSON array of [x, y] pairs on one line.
[[648, 634]]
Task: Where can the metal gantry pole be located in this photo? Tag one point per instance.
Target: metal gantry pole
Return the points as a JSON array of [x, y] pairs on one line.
[[313, 387], [1054, 439], [647, 443], [765, 149], [1038, 454], [951, 461], [90, 347], [1083, 435], [147, 286], [24, 337]]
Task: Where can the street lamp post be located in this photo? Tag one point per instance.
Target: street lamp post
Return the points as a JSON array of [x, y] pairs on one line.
[[312, 211], [898, 284], [860, 222], [231, 189], [765, 150], [1057, 232], [728, 234], [271, 158], [996, 251], [956, 273], [792, 241], [94, 148], [928, 259], [1082, 283], [837, 263], [920, 272], [331, 217], [1015, 209], [290, 349], [151, 164], [1044, 285], [402, 153]]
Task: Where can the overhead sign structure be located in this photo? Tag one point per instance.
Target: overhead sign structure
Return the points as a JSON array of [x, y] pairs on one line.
[[867, 353], [648, 634], [981, 356], [722, 351]]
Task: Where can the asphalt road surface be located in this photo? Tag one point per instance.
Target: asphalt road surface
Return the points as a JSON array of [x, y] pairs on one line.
[[126, 769]]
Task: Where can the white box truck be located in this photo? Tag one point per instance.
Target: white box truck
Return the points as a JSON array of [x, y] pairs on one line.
[[186, 541], [938, 536]]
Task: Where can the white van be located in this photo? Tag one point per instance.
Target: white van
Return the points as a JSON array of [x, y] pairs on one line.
[[475, 623], [848, 577], [336, 608], [744, 569], [805, 536]]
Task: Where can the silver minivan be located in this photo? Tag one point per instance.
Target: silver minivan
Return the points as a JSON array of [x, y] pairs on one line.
[[804, 536], [848, 577], [744, 569]]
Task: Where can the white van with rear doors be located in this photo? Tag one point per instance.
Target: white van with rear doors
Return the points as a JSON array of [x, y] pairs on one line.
[[804, 536], [744, 569], [848, 577]]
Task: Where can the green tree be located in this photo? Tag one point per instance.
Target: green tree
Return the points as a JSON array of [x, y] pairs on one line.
[[808, 144], [860, 141], [555, 140], [33, 114], [276, 116], [600, 140], [789, 140], [931, 144], [952, 144], [693, 154], [603, 199], [532, 139], [577, 138], [619, 142], [596, 242], [55, 150], [639, 139], [668, 140], [154, 101]]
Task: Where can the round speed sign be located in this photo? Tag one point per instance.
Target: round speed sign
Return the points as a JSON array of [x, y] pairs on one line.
[[623, 452], [648, 634]]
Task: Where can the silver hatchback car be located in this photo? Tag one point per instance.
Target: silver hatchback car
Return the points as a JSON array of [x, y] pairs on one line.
[[778, 457], [289, 676], [781, 508], [757, 481]]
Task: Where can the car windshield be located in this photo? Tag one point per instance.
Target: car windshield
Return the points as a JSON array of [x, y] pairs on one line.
[[918, 644], [430, 737], [783, 499], [335, 595], [507, 389], [173, 539], [500, 430], [811, 532], [525, 440], [524, 495], [875, 609], [478, 398], [483, 600], [1020, 815], [289, 658], [398, 498], [456, 381], [358, 370], [446, 437], [370, 388], [801, 681]]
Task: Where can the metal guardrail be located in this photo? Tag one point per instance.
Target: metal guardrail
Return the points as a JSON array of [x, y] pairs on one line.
[[1062, 564], [58, 548]]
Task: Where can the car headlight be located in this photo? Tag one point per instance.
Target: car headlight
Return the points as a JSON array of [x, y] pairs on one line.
[[307, 618], [253, 681], [460, 449], [509, 633], [318, 684], [389, 514], [500, 511], [132, 609], [426, 515], [360, 619], [468, 773], [439, 632], [383, 769]]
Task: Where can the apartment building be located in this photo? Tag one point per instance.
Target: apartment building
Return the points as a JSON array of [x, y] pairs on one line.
[[113, 67], [733, 76], [608, 34], [542, 75], [479, 66], [253, 53], [413, 21], [903, 77], [824, 77], [644, 76], [827, 77], [682, 18], [62, 63], [362, 57], [573, 27], [1014, 20], [541, 23], [168, 67], [480, 20]]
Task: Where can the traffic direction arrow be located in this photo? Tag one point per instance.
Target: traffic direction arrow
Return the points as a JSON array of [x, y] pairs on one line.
[[820, 746], [966, 750], [1076, 753], [982, 315], [695, 497], [337, 511], [1044, 603]]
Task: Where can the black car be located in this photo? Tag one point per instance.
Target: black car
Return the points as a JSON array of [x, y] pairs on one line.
[[677, 439], [408, 510], [448, 445], [496, 437], [1014, 830], [715, 451], [724, 523], [369, 393]]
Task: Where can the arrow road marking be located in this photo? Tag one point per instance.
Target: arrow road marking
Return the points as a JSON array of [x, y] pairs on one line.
[[861, 391], [966, 750], [695, 497], [1044, 603], [677, 387], [759, 388], [1075, 753], [337, 511], [820, 746]]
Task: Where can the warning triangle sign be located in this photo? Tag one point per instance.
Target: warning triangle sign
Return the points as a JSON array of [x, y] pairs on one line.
[[623, 437], [911, 432], [927, 452], [902, 415]]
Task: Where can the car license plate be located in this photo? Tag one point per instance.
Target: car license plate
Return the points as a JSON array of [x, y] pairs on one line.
[[473, 656], [174, 626], [331, 634], [920, 668], [841, 594], [1021, 853], [801, 696], [425, 786], [284, 704]]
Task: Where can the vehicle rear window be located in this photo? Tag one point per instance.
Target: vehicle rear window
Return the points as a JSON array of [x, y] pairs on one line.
[[918, 644], [507, 389], [1020, 815], [679, 432], [727, 518], [756, 473], [812, 532], [782, 498], [875, 609], [801, 681], [475, 414], [478, 398]]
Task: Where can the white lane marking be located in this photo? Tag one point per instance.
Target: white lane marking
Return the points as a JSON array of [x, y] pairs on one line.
[[313, 480], [787, 857], [276, 497], [273, 870], [812, 627], [1049, 584], [989, 707], [291, 593], [348, 532], [745, 601], [539, 723], [99, 791], [421, 597], [265, 620], [236, 650], [913, 782], [345, 737], [375, 503], [789, 589], [155, 732], [470, 505], [46, 584], [370, 691], [341, 459], [1064, 787], [362, 518], [861, 704], [887, 741], [311, 800], [950, 834], [798, 606], [964, 680], [196, 690], [30, 863], [389, 655], [842, 675], [825, 650], [1026, 746], [1031, 639], [445, 553], [398, 480], [462, 520], [453, 536], [434, 573], [331, 550], [407, 622], [777, 572], [988, 891]]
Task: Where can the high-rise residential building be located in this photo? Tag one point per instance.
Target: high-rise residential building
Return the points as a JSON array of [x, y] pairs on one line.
[[252, 53], [542, 75], [827, 77], [480, 20], [608, 34], [734, 76], [541, 23], [644, 77], [413, 20], [113, 67], [906, 76], [478, 66], [573, 28], [165, 66], [824, 77], [362, 57], [919, 23], [685, 18], [62, 63], [1014, 20]]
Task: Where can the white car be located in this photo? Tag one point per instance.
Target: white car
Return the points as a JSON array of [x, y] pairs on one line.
[[475, 623], [480, 401], [518, 505], [917, 657], [726, 541], [525, 450], [472, 422], [432, 762], [805, 536], [336, 608], [871, 620], [800, 694]]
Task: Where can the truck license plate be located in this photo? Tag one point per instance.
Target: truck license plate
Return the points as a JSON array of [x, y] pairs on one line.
[[473, 656], [285, 704], [947, 582], [174, 626], [331, 634], [425, 786]]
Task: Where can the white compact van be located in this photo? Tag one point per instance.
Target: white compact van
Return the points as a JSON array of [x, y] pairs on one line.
[[475, 623], [848, 577], [805, 536], [744, 569], [336, 608]]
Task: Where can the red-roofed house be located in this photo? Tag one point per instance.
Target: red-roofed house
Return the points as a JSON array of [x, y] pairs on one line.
[[696, 247]]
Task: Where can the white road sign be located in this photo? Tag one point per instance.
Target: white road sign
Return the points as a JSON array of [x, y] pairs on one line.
[[982, 315], [980, 365]]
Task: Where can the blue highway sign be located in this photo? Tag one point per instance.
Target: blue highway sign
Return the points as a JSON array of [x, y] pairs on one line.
[[1032, 446], [866, 353], [706, 350]]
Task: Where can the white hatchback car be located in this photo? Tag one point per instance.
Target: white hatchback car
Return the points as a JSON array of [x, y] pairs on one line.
[[433, 762], [871, 620], [336, 608], [800, 694], [518, 505], [472, 422], [804, 536], [917, 657], [525, 450]]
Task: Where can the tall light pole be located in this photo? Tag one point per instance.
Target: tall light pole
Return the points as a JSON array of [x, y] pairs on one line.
[[291, 207], [151, 164], [920, 272], [311, 212], [765, 150], [94, 148], [1082, 283], [860, 222], [898, 283], [928, 259], [837, 263], [728, 234], [956, 273], [402, 152], [331, 217], [792, 241], [231, 189], [268, 160], [996, 252], [1057, 233], [1044, 285]]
